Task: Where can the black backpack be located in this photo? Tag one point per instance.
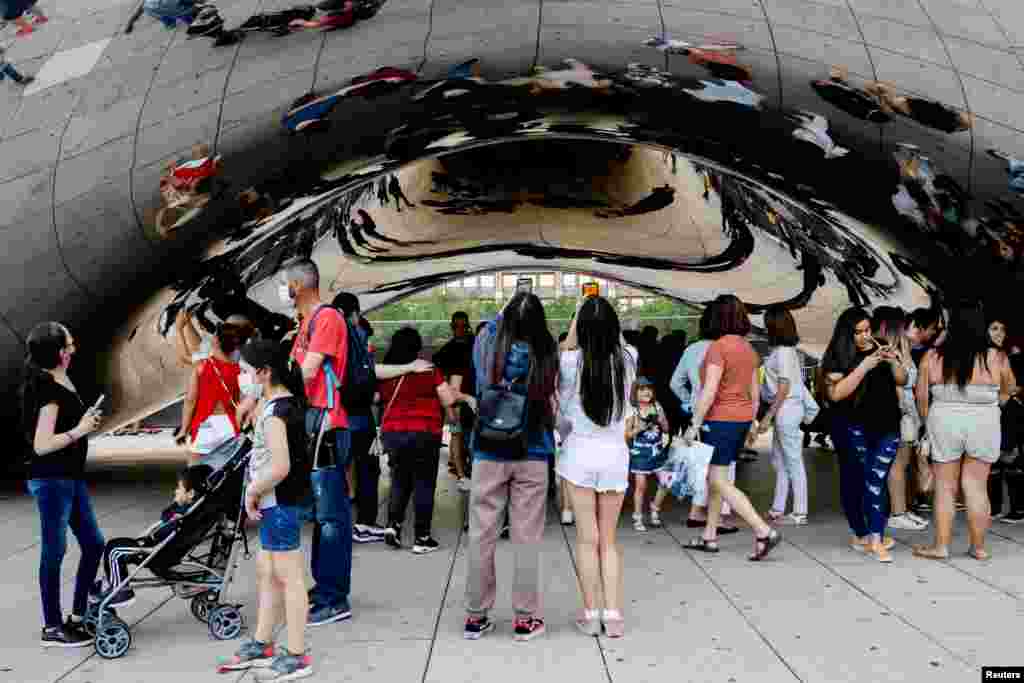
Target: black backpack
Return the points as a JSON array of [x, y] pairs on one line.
[[360, 383], [502, 413]]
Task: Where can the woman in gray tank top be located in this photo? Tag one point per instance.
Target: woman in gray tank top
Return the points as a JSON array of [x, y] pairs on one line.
[[959, 389]]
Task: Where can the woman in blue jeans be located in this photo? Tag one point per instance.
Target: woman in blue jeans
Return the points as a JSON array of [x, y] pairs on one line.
[[56, 422], [861, 380]]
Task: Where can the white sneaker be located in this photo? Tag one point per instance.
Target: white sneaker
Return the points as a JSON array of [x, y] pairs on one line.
[[567, 518], [924, 521], [655, 518], [370, 530], [464, 485], [638, 522], [905, 522]]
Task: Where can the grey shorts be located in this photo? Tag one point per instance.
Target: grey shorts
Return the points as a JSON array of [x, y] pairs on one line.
[[958, 429]]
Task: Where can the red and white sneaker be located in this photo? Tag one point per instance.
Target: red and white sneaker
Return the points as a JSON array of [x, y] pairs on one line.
[[528, 628]]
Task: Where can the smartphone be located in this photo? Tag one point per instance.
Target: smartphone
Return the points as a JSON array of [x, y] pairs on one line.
[[525, 284], [96, 406], [591, 289]]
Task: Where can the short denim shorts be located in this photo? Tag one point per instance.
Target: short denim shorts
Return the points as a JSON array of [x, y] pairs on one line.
[[727, 438], [280, 529]]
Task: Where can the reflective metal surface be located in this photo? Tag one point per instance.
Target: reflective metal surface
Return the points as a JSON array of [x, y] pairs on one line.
[[815, 154]]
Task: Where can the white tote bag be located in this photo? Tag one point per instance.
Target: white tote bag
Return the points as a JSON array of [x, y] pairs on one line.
[[685, 474]]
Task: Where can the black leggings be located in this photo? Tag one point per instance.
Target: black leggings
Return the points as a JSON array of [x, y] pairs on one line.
[[367, 471], [414, 459]]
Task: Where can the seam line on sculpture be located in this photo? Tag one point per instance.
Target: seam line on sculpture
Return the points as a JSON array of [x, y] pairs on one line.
[[733, 604], [540, 26], [440, 608], [775, 51], [963, 89], [1002, 29], [426, 38]]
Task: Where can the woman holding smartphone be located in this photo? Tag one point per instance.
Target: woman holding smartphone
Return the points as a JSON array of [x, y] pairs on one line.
[[862, 377], [55, 423]]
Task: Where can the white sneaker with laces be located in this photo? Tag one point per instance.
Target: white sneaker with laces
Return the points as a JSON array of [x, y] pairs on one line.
[[638, 522], [568, 518], [464, 485], [905, 522], [923, 521]]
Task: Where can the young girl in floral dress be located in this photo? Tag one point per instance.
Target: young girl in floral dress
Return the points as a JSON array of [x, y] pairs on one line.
[[647, 435]]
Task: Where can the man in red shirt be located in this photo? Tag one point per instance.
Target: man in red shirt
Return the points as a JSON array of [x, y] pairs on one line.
[[322, 354]]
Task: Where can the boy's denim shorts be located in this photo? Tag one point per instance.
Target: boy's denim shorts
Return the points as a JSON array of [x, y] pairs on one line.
[[280, 529]]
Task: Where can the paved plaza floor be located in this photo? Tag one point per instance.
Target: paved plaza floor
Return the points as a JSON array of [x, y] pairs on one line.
[[814, 611]]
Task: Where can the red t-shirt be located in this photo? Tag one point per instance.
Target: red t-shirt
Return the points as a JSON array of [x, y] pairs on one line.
[[417, 407], [330, 337], [738, 360]]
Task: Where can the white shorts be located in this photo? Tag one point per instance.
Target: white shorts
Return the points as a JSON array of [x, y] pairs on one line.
[[594, 463], [214, 431]]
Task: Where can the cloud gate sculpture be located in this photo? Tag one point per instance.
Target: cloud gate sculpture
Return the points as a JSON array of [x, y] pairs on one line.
[[815, 154]]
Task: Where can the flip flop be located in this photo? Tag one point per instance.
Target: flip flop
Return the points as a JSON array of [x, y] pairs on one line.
[[929, 553], [980, 556], [702, 544]]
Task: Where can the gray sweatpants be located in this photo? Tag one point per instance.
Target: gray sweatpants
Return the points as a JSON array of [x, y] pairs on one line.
[[524, 484]]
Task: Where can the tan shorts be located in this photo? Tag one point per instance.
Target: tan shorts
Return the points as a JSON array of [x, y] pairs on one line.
[[959, 429]]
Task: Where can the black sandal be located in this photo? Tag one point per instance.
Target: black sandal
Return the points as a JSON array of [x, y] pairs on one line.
[[765, 545], [702, 544]]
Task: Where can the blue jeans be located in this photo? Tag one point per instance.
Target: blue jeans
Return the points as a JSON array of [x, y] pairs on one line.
[[865, 459], [1016, 170], [63, 503], [331, 555]]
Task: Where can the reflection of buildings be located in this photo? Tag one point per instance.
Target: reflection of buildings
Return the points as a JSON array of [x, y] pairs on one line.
[[501, 285]]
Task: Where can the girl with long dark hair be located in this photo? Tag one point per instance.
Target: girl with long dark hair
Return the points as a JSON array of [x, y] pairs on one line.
[[596, 375], [959, 389], [517, 349], [411, 426], [861, 378], [55, 422], [278, 488]]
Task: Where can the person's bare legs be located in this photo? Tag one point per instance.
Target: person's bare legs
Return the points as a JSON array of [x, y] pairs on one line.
[[270, 604], [565, 496], [898, 481], [457, 448], [609, 508], [947, 482], [723, 489], [639, 493], [290, 572], [584, 504], [659, 499], [974, 479]]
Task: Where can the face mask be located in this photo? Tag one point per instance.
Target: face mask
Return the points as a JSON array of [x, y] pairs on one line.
[[284, 293], [65, 359]]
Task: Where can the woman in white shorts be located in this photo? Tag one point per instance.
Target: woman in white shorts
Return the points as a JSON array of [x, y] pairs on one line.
[[596, 374], [959, 388]]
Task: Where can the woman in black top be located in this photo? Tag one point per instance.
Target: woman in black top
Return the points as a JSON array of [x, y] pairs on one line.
[[55, 423], [278, 488], [861, 377]]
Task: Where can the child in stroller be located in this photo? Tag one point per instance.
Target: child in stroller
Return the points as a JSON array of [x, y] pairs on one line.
[[122, 552]]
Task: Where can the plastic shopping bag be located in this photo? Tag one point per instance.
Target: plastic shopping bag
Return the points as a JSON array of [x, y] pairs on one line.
[[685, 473]]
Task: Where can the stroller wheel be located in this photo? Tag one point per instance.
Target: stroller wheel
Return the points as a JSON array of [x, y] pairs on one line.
[[113, 640], [202, 604], [92, 617], [226, 622]]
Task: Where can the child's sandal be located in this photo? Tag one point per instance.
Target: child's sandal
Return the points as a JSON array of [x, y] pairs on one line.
[[702, 544]]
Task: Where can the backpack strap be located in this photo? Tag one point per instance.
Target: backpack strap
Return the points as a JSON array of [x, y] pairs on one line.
[[333, 382]]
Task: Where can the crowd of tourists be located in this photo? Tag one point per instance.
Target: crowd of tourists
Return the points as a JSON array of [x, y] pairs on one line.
[[906, 399]]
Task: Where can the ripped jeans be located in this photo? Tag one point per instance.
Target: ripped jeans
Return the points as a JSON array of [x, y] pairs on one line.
[[865, 459]]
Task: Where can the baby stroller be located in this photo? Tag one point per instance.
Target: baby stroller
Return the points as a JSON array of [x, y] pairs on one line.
[[197, 560]]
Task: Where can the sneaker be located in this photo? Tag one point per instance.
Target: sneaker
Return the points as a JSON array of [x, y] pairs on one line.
[[918, 518], [393, 536], [906, 523], [124, 598], [476, 627], [748, 455], [655, 518], [252, 655], [287, 667], [424, 545], [528, 628], [638, 522], [365, 537], [1013, 517], [568, 518], [62, 636], [464, 485], [371, 529], [792, 519], [325, 614]]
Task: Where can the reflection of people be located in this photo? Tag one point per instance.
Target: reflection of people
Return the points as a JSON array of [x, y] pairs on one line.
[[7, 70], [185, 188], [926, 112], [25, 14], [838, 92], [1015, 169], [170, 12], [55, 424], [814, 129], [395, 190]]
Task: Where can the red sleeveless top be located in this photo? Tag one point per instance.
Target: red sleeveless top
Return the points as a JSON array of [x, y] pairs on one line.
[[212, 390]]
